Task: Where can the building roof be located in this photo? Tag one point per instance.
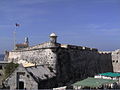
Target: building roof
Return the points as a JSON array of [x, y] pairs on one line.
[[37, 73], [3, 62], [40, 72], [22, 44], [25, 63], [110, 74], [94, 82]]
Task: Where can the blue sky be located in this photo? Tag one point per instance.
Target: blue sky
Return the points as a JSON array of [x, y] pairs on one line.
[[91, 23]]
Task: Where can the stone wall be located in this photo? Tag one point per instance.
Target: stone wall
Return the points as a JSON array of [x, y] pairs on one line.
[[2, 72], [75, 63], [116, 60], [20, 74], [40, 54]]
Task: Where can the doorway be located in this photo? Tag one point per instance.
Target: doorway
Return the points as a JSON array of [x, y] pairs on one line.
[[21, 85]]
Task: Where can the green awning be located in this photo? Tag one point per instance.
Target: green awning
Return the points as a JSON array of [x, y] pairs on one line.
[[93, 82], [110, 74]]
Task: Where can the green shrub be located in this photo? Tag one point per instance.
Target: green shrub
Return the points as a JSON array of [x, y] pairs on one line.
[[9, 68]]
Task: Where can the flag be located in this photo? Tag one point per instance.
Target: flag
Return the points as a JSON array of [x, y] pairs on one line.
[[17, 25]]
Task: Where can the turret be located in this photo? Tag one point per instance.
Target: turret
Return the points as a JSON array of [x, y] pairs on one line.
[[53, 37]]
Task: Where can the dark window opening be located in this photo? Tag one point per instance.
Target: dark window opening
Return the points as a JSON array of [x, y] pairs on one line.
[[0, 74], [21, 73], [117, 61], [1, 67], [113, 61], [28, 76]]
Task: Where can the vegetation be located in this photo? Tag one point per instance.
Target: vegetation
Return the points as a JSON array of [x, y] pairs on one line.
[[9, 68]]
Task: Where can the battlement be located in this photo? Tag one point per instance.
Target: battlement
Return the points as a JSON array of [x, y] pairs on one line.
[[104, 52], [78, 47]]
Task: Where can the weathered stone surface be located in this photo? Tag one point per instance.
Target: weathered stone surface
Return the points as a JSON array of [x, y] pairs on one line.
[[21, 75], [74, 64], [40, 56], [34, 77], [116, 60], [2, 72]]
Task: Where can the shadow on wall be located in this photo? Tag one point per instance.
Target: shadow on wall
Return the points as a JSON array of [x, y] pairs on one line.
[[105, 62], [48, 84], [74, 65]]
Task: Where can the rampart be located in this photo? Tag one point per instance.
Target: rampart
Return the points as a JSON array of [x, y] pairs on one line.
[[70, 62], [77, 62]]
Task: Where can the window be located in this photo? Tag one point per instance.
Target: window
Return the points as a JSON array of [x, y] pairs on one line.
[[0, 66], [117, 61], [28, 76], [0, 74]]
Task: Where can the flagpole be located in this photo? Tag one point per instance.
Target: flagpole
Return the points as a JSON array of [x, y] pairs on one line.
[[14, 35]]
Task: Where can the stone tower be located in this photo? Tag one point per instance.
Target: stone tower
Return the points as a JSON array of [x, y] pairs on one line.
[[53, 37], [26, 41]]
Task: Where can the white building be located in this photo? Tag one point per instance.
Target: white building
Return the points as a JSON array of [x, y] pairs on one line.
[[109, 75]]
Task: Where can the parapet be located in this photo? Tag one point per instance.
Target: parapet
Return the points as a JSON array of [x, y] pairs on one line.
[[45, 45], [105, 52], [94, 49], [64, 45], [78, 47]]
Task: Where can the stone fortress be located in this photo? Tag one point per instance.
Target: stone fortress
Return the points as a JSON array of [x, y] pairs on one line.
[[68, 62]]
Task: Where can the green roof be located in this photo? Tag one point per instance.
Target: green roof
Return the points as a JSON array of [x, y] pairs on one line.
[[93, 82], [110, 74]]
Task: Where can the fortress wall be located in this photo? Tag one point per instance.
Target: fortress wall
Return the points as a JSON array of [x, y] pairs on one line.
[[40, 56], [71, 62], [74, 63], [116, 60]]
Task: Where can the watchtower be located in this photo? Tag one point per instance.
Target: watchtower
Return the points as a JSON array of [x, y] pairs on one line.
[[53, 37]]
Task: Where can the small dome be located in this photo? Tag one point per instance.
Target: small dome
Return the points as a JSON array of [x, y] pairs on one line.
[[53, 35]]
